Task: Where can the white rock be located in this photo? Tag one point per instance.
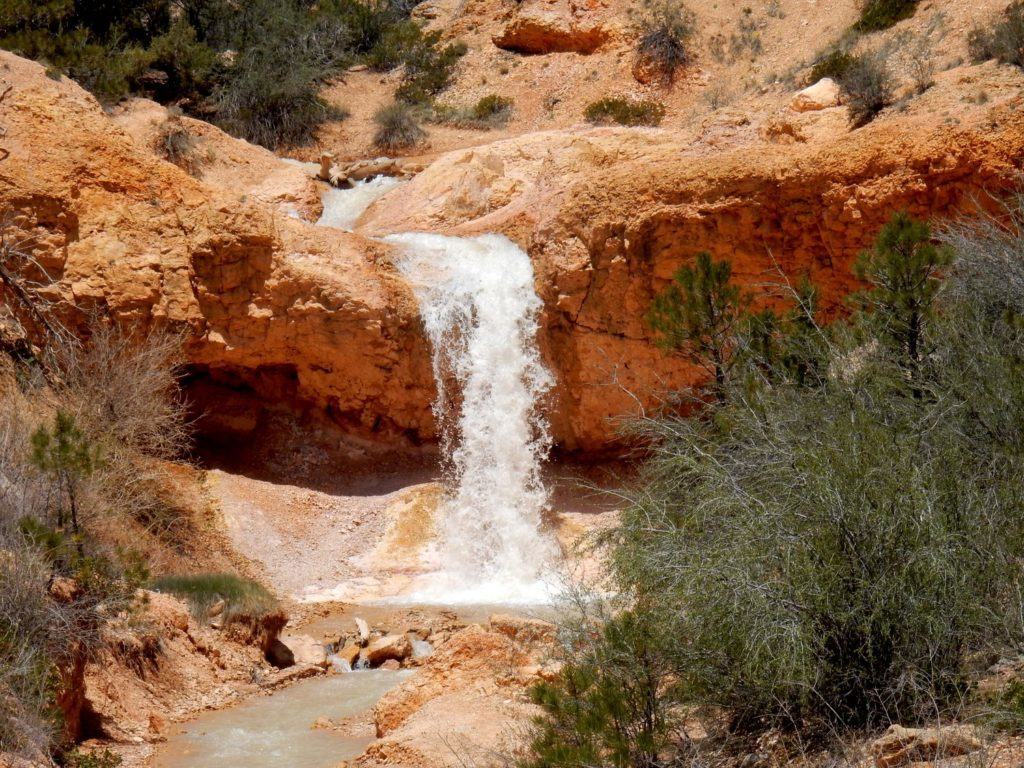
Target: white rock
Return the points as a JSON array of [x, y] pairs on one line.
[[822, 95]]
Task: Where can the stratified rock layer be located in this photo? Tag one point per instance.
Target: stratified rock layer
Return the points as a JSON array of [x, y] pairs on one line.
[[608, 215], [284, 314], [278, 311]]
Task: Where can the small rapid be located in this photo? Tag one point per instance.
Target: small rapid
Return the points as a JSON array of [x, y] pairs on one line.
[[343, 207], [480, 312]]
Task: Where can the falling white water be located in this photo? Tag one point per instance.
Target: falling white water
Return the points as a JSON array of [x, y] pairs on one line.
[[480, 310], [343, 207]]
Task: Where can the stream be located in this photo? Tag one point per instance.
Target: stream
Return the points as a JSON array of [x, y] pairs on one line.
[[275, 731], [480, 310]]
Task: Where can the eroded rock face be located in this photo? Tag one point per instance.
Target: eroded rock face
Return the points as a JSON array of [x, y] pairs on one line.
[[277, 310], [609, 215], [161, 670], [282, 314], [555, 26]]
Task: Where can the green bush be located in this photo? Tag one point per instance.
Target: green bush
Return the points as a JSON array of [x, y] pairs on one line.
[[186, 67], [393, 46], [242, 597], [698, 314], [867, 87], [622, 111], [833, 64], [257, 69], [489, 112], [876, 15], [492, 106], [1002, 40], [834, 545], [102, 47], [273, 100], [666, 27], [429, 69], [610, 703], [397, 127]]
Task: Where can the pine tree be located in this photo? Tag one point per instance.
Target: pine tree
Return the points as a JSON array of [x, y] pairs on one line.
[[66, 455], [698, 315], [903, 270]]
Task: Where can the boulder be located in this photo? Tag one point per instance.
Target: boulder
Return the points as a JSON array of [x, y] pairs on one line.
[[902, 746], [392, 665], [349, 653], [306, 650], [395, 647], [364, 631], [552, 26], [822, 95], [285, 677]]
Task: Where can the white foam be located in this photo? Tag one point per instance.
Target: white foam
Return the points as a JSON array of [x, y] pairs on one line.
[[343, 207], [480, 311]]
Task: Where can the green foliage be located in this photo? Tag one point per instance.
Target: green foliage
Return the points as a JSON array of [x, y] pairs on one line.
[[833, 547], [867, 87], [370, 22], [429, 69], [876, 15], [394, 45], [1002, 40], [903, 270], [833, 64], [623, 111], [91, 759], [257, 69], [72, 555], [489, 112], [1003, 706], [609, 704], [32, 633], [270, 92], [665, 31], [242, 597], [103, 45], [66, 455], [836, 549], [698, 315], [186, 66], [397, 127], [492, 106]]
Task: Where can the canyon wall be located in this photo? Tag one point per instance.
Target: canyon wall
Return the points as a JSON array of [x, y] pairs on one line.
[[274, 309], [281, 314]]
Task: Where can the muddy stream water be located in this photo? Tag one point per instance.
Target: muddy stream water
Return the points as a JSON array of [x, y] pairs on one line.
[[277, 730]]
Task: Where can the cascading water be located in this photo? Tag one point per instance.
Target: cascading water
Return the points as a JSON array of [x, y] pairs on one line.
[[480, 310], [343, 207]]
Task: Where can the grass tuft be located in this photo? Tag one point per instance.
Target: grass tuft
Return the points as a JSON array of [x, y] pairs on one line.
[[622, 111], [241, 596], [397, 127]]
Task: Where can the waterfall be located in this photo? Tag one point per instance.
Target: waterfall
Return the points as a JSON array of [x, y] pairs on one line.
[[479, 309]]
